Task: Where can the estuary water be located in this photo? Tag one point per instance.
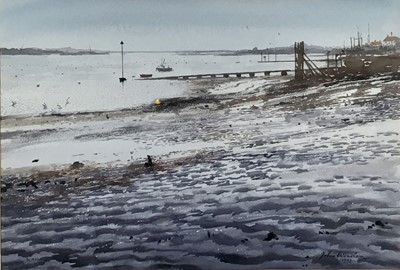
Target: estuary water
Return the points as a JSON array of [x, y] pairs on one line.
[[33, 85]]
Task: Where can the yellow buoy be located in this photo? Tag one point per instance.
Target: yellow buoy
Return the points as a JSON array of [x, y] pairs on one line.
[[157, 102]]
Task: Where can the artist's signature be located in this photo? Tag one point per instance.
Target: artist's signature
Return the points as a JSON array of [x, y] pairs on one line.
[[342, 256]]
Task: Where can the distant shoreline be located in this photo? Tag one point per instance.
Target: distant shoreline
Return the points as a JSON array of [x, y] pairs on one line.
[[36, 51], [255, 51]]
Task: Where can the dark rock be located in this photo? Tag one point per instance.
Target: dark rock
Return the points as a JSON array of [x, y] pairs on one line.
[[379, 223], [62, 182], [33, 184], [25, 184], [35, 160], [244, 240], [76, 165], [269, 155], [149, 162], [271, 236]]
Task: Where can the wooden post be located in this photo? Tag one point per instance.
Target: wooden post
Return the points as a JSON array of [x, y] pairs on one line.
[[299, 61], [327, 59]]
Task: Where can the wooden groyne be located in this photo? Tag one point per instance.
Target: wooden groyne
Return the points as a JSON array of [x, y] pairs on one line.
[[250, 74]]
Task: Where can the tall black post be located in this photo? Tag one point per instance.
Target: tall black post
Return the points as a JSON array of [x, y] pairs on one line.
[[122, 79]]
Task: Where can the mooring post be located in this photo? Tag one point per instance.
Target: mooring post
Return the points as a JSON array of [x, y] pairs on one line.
[[299, 61], [327, 59]]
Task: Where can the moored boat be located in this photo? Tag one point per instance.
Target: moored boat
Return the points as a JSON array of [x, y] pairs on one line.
[[146, 75], [163, 67]]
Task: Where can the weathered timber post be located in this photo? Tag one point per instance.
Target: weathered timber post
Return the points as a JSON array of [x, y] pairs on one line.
[[299, 61]]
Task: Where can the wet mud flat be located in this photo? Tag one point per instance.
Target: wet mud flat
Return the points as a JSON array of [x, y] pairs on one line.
[[288, 177]]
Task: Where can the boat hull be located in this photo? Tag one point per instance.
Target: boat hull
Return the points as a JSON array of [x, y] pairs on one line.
[[164, 69]]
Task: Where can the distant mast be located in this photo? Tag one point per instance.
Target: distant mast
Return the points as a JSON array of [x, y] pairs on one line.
[[369, 41], [122, 79]]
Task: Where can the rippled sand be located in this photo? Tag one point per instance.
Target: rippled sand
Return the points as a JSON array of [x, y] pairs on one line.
[[268, 176]]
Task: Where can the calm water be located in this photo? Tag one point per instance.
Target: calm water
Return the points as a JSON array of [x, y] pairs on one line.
[[44, 84]]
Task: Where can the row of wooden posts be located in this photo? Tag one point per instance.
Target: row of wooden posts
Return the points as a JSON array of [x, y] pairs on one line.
[[301, 59]]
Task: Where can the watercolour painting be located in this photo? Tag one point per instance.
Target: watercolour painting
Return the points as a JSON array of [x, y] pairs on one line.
[[221, 134]]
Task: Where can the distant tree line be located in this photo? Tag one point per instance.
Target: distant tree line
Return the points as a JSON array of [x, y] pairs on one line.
[[27, 51]]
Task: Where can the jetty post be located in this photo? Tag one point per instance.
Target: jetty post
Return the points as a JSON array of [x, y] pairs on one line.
[[299, 61], [122, 79]]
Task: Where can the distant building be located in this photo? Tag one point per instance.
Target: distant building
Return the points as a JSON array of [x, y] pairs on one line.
[[376, 43], [391, 40]]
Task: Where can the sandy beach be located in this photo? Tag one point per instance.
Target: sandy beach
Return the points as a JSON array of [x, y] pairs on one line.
[[248, 173]]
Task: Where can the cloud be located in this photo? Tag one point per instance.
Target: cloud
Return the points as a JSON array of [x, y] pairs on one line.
[[177, 24]]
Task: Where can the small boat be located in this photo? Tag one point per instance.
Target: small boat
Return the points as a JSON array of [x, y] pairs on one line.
[[163, 68], [146, 75]]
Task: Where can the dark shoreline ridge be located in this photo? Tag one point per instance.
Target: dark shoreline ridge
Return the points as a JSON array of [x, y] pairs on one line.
[[37, 51]]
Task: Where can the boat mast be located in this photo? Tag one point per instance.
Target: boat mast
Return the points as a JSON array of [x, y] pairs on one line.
[[369, 41]]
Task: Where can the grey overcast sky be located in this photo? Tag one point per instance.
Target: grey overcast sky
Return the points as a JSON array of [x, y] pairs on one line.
[[192, 24]]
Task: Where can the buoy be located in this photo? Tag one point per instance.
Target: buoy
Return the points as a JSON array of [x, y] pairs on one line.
[[157, 101]]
